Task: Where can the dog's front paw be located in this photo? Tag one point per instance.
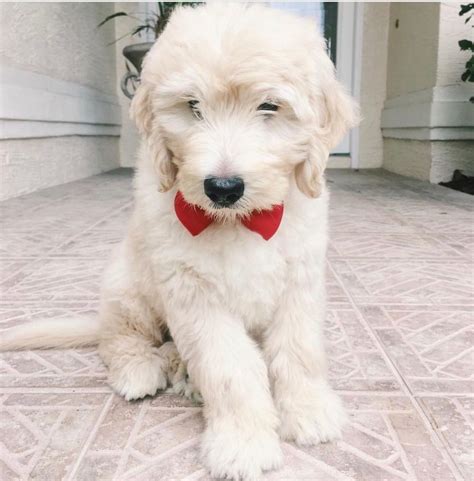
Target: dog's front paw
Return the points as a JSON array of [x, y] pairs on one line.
[[139, 377], [232, 453], [317, 422]]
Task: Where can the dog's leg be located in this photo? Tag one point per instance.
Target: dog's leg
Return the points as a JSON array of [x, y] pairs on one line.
[[129, 347], [240, 440], [136, 368], [310, 411]]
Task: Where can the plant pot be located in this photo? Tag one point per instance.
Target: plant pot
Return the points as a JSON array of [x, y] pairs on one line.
[[135, 54]]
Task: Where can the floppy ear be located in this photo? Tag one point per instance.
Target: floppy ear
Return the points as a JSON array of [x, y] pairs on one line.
[[338, 113], [141, 112]]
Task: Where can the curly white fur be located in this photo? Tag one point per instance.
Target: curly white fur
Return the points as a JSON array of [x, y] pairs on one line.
[[246, 315]]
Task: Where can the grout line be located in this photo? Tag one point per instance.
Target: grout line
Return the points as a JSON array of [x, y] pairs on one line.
[[90, 439], [121, 465], [43, 446], [385, 464], [403, 454], [327, 468], [163, 426], [439, 342], [185, 445], [404, 384]]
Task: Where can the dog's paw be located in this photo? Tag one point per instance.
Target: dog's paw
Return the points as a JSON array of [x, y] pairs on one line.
[[319, 422], [177, 374], [185, 387], [139, 377], [240, 455]]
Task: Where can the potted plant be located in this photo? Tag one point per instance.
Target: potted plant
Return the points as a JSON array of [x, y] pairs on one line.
[[135, 53], [468, 45]]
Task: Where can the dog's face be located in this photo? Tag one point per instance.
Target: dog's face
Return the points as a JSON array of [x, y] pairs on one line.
[[235, 100]]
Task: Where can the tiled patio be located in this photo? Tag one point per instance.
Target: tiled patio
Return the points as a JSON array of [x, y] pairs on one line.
[[399, 332]]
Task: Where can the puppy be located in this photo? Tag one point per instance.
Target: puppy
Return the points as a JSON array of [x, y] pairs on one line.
[[238, 109]]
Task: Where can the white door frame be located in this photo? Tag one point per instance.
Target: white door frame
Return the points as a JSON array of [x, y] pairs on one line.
[[356, 79], [348, 65], [344, 60]]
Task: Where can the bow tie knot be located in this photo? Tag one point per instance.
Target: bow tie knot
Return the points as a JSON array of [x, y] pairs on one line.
[[195, 219]]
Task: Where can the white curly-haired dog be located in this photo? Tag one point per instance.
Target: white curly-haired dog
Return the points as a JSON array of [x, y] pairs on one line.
[[238, 108]]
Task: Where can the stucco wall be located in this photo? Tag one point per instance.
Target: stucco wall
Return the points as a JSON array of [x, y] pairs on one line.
[[373, 82], [412, 47], [60, 41], [426, 160], [452, 28], [427, 100], [411, 158], [32, 164], [129, 139], [450, 155]]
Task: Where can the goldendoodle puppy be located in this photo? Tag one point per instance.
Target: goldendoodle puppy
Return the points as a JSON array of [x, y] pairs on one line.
[[238, 108]]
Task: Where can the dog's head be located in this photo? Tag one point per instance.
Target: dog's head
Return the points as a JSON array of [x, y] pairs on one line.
[[236, 99]]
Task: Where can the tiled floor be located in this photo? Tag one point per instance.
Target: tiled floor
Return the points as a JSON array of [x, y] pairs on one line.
[[399, 332]]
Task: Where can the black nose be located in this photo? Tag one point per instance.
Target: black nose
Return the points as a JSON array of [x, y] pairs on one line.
[[224, 191]]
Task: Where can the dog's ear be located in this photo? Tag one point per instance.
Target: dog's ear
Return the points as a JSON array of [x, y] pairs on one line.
[[338, 112], [141, 111]]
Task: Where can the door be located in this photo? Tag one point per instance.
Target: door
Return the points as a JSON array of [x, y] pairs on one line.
[[337, 23]]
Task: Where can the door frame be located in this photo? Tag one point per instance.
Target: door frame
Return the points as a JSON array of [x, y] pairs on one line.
[[348, 68], [357, 79]]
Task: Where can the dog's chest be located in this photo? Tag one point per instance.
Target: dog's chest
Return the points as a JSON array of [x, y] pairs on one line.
[[245, 272], [253, 279]]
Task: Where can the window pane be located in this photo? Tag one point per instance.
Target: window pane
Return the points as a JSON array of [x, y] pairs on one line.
[[325, 15]]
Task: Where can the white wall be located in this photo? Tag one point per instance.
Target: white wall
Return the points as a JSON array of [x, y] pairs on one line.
[[59, 112]]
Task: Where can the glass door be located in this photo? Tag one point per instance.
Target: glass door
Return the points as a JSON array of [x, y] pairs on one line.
[[336, 22]]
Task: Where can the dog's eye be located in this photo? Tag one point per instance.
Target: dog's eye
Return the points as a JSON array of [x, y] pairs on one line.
[[268, 107], [194, 106]]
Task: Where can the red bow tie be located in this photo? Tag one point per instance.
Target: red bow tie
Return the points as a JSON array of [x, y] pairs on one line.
[[195, 219]]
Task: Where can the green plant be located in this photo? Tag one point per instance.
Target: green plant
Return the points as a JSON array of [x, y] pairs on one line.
[[156, 22], [468, 45]]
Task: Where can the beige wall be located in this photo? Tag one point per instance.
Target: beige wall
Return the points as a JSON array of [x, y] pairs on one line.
[[129, 139], [411, 158], [373, 82], [450, 61], [426, 160], [427, 126], [61, 42], [460, 155], [32, 164], [412, 47]]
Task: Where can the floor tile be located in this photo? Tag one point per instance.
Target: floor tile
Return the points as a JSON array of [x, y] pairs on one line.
[[398, 334], [407, 280], [385, 439], [356, 362], [452, 418], [56, 279], [393, 246], [432, 348], [46, 431], [95, 243]]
